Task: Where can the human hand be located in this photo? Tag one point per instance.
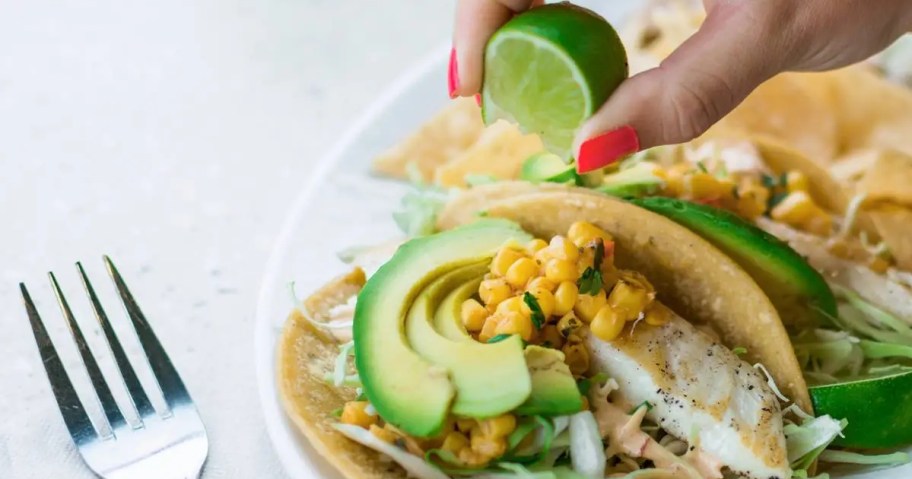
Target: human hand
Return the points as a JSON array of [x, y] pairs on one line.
[[741, 44]]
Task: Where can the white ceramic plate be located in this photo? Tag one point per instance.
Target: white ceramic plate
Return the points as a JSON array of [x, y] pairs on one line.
[[343, 205]]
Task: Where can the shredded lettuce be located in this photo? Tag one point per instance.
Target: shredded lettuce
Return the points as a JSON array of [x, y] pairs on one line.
[[771, 383], [414, 465], [874, 314], [587, 453], [805, 442]]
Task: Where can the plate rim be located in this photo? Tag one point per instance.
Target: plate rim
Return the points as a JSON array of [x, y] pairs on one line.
[[278, 426]]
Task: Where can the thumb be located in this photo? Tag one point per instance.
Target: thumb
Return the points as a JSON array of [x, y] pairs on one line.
[[703, 80]]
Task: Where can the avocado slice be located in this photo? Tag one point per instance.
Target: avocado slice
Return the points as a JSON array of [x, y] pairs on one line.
[[637, 181], [407, 390], [554, 391], [798, 291], [548, 167], [490, 379], [448, 318]]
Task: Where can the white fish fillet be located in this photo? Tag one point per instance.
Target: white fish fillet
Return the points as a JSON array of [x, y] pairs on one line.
[[699, 387]]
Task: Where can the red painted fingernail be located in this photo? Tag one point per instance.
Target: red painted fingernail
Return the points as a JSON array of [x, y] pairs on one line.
[[453, 74], [603, 150], [478, 98]]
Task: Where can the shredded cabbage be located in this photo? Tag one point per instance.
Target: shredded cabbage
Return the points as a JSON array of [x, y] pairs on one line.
[[587, 453], [345, 350], [418, 209], [414, 465], [846, 457], [805, 442], [771, 383]]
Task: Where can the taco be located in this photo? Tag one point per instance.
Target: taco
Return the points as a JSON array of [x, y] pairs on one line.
[[550, 332]]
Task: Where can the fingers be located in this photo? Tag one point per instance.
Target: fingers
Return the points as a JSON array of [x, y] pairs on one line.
[[476, 21], [704, 79]]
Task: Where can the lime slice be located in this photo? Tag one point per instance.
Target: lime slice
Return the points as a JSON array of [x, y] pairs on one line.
[[549, 69], [879, 410]]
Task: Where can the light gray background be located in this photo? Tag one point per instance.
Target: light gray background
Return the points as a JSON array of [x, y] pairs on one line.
[[171, 135]]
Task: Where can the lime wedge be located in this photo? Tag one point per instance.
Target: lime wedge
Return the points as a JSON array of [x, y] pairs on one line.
[[549, 69]]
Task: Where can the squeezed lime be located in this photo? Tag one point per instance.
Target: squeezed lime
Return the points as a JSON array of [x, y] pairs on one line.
[[549, 69]]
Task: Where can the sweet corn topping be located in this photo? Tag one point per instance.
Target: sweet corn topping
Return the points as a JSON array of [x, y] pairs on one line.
[[565, 297], [504, 259], [521, 272], [583, 233], [588, 305], [607, 324]]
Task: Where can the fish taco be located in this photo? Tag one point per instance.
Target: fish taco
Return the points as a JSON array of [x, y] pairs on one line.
[[550, 332]]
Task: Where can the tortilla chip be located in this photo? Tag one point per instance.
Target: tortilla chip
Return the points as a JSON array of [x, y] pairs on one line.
[[872, 111], [889, 179], [499, 152], [786, 109], [443, 138], [304, 357], [692, 276], [894, 223]]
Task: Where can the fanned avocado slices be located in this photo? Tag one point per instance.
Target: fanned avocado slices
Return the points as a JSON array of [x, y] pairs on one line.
[[798, 291]]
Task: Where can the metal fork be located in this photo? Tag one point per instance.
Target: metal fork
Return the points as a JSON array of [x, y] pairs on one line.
[[170, 445]]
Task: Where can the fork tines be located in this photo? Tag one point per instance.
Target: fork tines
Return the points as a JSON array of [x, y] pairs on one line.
[[74, 414]]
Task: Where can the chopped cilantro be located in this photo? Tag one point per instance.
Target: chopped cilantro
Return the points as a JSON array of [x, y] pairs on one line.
[[538, 317], [590, 282], [702, 167], [498, 338], [585, 384], [644, 403], [768, 181], [739, 350], [337, 413], [735, 194], [776, 199]]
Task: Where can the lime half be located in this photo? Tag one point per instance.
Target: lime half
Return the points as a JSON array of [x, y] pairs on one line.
[[549, 69]]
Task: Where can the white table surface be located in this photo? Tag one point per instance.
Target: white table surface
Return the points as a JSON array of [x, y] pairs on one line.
[[171, 135]]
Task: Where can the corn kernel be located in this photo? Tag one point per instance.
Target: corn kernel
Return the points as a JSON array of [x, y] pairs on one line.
[[490, 326], [796, 181], [473, 315], [521, 272], [383, 434], [455, 442], [465, 424], [535, 245], [558, 270], [586, 259], [562, 248], [488, 447], [503, 260], [471, 458], [878, 265], [545, 301], [541, 282], [588, 305], [631, 295], [577, 357], [500, 426], [799, 210], [550, 337], [657, 314], [355, 412], [568, 324], [607, 324], [583, 233], [515, 323], [565, 297], [510, 305], [700, 185], [493, 291]]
